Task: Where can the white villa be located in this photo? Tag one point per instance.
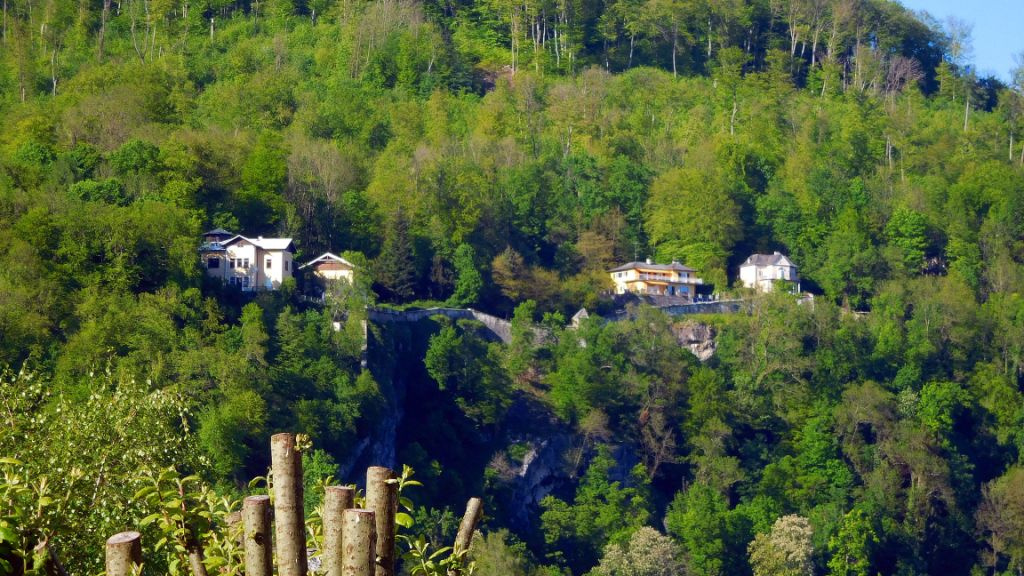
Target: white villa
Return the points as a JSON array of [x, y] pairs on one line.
[[251, 264], [647, 277], [328, 266], [762, 271]]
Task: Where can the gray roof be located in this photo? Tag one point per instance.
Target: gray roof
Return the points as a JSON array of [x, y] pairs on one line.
[[650, 266], [218, 232], [264, 243], [776, 259]]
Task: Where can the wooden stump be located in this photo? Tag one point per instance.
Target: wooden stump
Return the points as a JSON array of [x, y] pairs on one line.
[[256, 535], [382, 498], [360, 536], [124, 550], [289, 524], [336, 500]]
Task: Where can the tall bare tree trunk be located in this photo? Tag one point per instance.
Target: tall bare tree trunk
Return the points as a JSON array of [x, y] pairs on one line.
[[675, 48], [53, 71], [135, 40], [709, 37], [104, 16]]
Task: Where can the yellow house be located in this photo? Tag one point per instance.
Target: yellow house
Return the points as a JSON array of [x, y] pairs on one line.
[[251, 264], [330, 267], [647, 277]]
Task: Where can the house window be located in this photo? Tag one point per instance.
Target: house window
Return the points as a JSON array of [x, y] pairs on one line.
[[269, 263], [285, 265], [231, 263], [245, 281], [213, 263]]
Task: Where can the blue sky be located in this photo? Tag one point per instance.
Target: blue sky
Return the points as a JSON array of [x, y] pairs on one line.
[[998, 29]]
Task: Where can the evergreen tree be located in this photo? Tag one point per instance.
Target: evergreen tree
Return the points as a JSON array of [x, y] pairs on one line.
[[395, 267]]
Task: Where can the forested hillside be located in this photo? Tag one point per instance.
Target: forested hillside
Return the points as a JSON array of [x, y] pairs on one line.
[[504, 154]]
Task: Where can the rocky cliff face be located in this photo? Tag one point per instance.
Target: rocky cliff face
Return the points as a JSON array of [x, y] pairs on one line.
[[527, 456], [699, 338], [543, 469]]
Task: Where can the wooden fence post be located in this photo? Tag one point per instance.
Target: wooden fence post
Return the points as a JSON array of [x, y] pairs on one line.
[[289, 525], [256, 526], [382, 498], [124, 550], [474, 509], [336, 501], [234, 525], [360, 536]]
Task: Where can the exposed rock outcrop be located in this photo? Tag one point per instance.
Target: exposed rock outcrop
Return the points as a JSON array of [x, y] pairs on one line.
[[698, 337]]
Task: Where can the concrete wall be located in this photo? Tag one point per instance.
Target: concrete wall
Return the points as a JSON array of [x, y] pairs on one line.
[[719, 307], [502, 329]]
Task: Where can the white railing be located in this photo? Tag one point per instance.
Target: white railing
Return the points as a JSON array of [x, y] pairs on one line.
[[667, 278]]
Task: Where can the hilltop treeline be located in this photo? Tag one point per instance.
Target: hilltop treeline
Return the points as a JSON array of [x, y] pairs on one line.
[[488, 154]]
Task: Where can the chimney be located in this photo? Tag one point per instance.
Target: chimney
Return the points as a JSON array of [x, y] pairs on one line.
[[649, 261], [777, 253]]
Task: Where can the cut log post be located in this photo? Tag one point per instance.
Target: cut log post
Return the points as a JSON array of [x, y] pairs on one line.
[[124, 551], [360, 536], [234, 524], [474, 510], [382, 498], [336, 500], [289, 525], [256, 526]]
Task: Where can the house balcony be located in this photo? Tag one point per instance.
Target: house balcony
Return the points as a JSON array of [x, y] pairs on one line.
[[775, 277], [668, 279]]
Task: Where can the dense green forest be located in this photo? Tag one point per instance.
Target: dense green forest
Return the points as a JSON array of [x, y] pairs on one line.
[[503, 155]]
